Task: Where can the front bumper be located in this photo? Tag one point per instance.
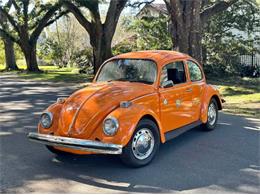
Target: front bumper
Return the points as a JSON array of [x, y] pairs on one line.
[[77, 144]]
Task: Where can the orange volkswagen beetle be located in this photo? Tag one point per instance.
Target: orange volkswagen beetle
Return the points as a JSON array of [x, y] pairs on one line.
[[137, 101]]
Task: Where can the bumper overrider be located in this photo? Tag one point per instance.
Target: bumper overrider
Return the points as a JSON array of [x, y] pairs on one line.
[[77, 144]]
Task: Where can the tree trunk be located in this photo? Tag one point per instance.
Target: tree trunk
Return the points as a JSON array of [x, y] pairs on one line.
[[10, 55], [29, 51], [195, 41], [187, 20], [101, 44], [101, 34]]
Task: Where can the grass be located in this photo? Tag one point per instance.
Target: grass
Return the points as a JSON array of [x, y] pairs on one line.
[[242, 95], [52, 74]]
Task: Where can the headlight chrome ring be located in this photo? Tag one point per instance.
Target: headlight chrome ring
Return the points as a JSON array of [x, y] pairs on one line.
[[46, 120], [110, 126]]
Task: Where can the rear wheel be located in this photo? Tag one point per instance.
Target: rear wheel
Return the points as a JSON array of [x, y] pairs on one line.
[[143, 145], [212, 116]]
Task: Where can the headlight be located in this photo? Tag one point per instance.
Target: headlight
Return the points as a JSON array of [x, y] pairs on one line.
[[110, 126], [46, 120]]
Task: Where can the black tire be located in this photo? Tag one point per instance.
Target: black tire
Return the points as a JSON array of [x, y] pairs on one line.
[[208, 126], [57, 152], [128, 157]]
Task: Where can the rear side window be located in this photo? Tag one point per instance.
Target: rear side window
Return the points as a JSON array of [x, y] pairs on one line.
[[195, 71], [175, 72]]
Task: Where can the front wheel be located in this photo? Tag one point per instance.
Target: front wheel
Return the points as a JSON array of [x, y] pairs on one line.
[[143, 145], [212, 116]]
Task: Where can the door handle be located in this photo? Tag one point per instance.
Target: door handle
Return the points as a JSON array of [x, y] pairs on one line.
[[189, 90]]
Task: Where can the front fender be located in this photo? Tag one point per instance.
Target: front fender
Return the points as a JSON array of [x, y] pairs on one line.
[[210, 92], [55, 110], [128, 119]]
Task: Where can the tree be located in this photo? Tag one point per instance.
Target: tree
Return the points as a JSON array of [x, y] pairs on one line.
[[152, 33], [59, 43], [26, 24], [230, 34], [101, 34], [10, 60], [188, 19]]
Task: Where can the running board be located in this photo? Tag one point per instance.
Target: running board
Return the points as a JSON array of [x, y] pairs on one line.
[[176, 132]]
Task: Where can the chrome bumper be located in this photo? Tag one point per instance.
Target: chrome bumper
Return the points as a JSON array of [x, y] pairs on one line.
[[77, 144]]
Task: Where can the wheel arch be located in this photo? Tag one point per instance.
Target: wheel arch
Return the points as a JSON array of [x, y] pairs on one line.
[[215, 97], [211, 92], [150, 117]]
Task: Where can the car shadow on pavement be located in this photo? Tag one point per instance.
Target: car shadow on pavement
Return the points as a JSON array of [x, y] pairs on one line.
[[223, 160], [193, 160]]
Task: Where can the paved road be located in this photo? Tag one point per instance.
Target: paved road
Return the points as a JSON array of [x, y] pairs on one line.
[[223, 161]]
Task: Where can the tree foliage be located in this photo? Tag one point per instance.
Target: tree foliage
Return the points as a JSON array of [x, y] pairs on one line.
[[10, 60], [26, 23], [188, 19], [100, 32], [60, 43], [152, 33], [229, 35]]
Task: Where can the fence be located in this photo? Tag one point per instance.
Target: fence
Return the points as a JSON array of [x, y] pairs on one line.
[[250, 60]]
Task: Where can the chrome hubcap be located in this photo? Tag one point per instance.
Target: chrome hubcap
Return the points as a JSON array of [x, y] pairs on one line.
[[212, 114], [143, 144]]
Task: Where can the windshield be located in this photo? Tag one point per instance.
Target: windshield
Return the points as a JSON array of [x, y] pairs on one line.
[[132, 70]]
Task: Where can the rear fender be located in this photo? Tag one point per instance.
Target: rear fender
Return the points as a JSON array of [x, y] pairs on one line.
[[210, 92]]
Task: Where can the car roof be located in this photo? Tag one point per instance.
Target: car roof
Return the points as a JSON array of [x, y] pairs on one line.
[[155, 55]]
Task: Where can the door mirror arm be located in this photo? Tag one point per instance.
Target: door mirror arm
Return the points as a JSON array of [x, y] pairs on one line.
[[167, 84]]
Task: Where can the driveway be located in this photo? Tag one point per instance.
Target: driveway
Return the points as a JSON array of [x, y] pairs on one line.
[[222, 161]]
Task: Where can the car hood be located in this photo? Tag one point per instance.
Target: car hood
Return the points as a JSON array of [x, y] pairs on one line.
[[85, 109]]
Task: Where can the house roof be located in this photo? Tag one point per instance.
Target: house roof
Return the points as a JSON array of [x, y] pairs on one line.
[[159, 7]]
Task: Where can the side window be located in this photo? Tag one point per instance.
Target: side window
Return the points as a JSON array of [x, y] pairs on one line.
[[195, 72], [174, 72]]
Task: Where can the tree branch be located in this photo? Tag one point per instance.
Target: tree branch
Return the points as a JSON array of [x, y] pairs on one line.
[[216, 8], [25, 12], [42, 23], [5, 35], [18, 9], [10, 19], [113, 13], [80, 17], [138, 4], [57, 17]]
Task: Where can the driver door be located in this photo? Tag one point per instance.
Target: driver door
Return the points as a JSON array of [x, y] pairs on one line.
[[175, 100]]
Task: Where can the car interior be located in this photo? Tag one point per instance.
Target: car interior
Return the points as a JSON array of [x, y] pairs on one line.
[[174, 72]]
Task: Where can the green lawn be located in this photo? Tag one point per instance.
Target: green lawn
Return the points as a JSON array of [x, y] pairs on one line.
[[53, 74], [242, 95]]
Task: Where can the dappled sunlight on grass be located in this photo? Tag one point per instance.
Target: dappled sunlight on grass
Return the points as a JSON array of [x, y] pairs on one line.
[[52, 73], [242, 95]]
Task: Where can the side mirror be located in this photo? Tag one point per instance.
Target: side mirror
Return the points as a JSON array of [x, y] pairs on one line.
[[167, 84]]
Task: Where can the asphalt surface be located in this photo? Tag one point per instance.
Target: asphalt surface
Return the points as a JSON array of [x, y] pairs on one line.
[[225, 160]]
